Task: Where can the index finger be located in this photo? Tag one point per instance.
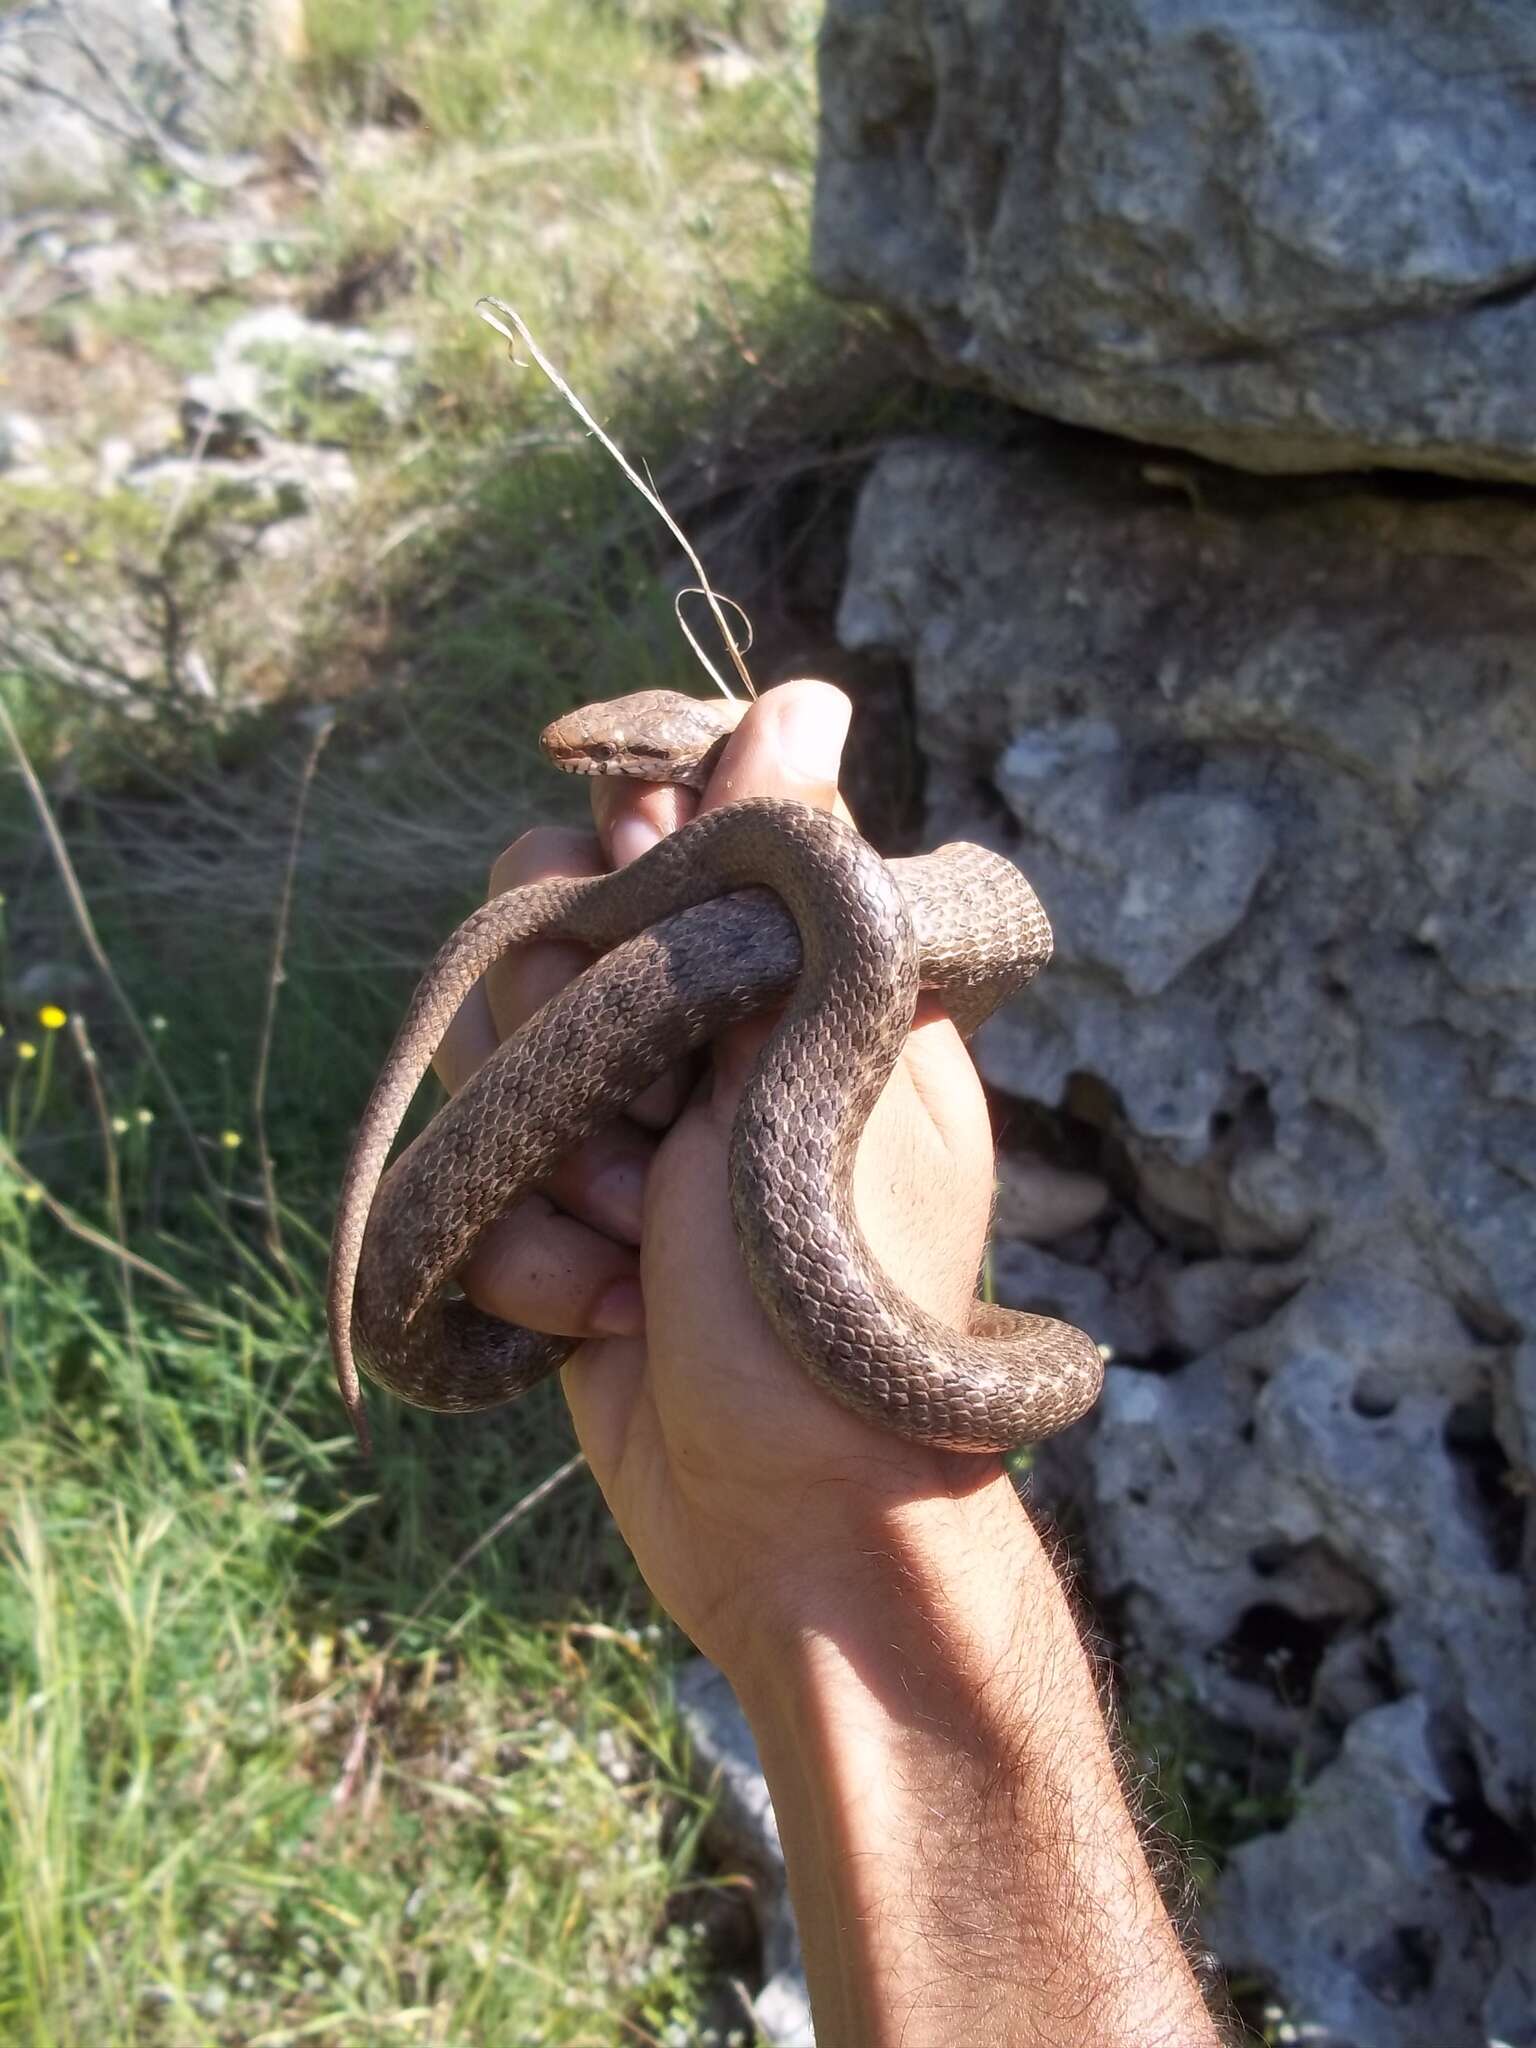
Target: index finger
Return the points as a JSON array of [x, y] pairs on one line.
[[631, 816]]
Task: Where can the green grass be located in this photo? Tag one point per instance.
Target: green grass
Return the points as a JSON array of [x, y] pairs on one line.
[[263, 1776], [271, 1770]]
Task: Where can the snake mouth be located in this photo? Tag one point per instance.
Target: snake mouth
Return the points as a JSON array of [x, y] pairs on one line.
[[606, 766]]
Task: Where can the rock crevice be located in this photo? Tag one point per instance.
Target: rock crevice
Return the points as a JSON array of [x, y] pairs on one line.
[[1271, 763]]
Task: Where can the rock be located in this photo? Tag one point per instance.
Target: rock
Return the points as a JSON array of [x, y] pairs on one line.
[[1190, 863], [1509, 2012], [275, 373], [87, 85], [1206, 1301], [743, 1830], [1396, 1955], [1025, 1277], [1037, 1201], [1305, 1069], [284, 483], [1290, 242], [23, 443]]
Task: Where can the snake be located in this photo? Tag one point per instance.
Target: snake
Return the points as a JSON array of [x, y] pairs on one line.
[[756, 903]]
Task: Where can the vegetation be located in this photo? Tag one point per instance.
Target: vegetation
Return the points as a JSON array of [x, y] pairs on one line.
[[285, 1756]]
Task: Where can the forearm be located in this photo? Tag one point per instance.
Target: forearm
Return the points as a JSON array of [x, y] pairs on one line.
[[963, 1865]]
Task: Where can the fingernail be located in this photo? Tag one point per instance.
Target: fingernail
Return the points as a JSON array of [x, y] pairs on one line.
[[620, 1310], [616, 1198], [630, 838], [812, 726]]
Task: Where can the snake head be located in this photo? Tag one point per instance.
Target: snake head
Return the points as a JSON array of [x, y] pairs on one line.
[[652, 736]]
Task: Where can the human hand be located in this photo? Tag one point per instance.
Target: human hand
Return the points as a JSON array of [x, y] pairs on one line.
[[736, 1482]]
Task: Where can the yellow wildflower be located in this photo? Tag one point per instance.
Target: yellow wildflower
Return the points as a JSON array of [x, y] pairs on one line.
[[144, 1116], [52, 1018], [229, 1140], [120, 1126], [26, 1050]]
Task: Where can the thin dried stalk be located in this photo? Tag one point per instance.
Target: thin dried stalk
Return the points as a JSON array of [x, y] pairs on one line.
[[98, 953], [274, 983]]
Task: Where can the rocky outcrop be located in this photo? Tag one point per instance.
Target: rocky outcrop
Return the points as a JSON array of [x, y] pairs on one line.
[[1269, 755], [88, 85], [1292, 239], [744, 1835]]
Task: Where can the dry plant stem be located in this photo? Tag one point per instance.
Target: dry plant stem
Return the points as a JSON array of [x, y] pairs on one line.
[[87, 1232], [274, 983], [530, 1500], [88, 1060], [98, 953], [183, 489], [646, 490]]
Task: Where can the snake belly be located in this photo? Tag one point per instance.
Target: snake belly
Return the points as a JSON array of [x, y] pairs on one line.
[[749, 902]]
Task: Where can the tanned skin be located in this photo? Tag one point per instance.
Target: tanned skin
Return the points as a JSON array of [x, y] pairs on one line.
[[963, 1864]]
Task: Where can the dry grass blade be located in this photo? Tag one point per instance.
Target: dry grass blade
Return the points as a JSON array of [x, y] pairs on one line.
[[646, 489], [86, 1232], [274, 983], [346, 1784], [114, 1178], [98, 952]]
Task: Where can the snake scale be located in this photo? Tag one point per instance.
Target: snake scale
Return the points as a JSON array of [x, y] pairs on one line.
[[749, 903]]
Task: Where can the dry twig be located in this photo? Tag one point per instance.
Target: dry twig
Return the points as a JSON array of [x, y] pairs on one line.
[[274, 983], [98, 952]]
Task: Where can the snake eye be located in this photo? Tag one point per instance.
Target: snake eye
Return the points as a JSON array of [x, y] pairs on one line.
[[599, 750]]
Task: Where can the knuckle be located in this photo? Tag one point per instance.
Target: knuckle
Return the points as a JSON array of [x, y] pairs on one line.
[[541, 853]]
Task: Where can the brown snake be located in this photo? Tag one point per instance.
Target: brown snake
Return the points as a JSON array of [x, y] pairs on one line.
[[745, 904]]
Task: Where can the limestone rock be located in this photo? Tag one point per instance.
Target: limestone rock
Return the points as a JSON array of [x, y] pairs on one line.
[[1295, 240], [1305, 1050], [86, 85], [23, 447], [1039, 1202], [746, 1832], [274, 370], [1397, 1953]]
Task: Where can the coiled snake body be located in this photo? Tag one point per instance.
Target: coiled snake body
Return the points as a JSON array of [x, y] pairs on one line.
[[738, 908]]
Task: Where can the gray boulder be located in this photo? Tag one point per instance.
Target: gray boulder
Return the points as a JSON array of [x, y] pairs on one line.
[[1267, 756], [1293, 239], [1398, 1954], [745, 1834], [87, 85]]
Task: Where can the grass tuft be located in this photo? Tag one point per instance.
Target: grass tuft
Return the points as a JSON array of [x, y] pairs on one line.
[[285, 1757]]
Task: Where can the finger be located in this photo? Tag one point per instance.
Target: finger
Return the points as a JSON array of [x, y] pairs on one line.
[[468, 1042], [602, 1182], [537, 1267], [521, 981], [631, 817], [790, 744]]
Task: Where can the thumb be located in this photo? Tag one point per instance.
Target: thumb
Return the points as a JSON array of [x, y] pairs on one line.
[[790, 744]]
